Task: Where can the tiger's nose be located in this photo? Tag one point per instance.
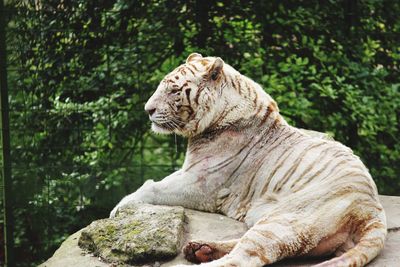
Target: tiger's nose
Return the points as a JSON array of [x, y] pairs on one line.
[[150, 111]]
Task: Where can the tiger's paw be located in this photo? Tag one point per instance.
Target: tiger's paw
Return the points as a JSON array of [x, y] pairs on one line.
[[197, 252]]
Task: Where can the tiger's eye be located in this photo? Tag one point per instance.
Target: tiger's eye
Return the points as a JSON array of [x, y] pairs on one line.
[[214, 75], [174, 92]]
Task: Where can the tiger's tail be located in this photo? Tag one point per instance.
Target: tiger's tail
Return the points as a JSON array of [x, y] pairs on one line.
[[371, 241]]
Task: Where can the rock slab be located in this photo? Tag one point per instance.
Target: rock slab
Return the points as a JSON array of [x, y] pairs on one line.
[[207, 226], [136, 235]]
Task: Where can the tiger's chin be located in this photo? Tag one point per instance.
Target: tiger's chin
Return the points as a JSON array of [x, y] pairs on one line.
[[160, 130]]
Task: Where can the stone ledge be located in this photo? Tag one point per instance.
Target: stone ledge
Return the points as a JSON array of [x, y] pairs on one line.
[[200, 225]]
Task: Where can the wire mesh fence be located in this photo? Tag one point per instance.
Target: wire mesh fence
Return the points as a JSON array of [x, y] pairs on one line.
[[80, 138], [79, 73]]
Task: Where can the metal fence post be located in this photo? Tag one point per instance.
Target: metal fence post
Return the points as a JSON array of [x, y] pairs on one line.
[[5, 139]]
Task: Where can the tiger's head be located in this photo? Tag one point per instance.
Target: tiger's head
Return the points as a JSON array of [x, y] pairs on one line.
[[186, 100]]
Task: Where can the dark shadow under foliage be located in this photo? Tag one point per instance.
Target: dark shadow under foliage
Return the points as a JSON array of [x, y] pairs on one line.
[[80, 72]]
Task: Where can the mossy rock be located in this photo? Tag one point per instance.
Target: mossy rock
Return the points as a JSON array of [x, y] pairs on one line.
[[139, 234]]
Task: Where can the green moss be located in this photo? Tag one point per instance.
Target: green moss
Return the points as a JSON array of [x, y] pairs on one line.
[[105, 234], [134, 232], [110, 229], [135, 223], [100, 239]]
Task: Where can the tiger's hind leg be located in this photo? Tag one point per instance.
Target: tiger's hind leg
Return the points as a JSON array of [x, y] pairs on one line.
[[205, 251], [271, 239], [280, 235]]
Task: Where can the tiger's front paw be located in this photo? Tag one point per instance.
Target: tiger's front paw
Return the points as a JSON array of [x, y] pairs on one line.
[[114, 211], [126, 202], [117, 209], [144, 194]]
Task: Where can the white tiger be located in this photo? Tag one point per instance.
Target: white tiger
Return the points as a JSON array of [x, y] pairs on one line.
[[300, 196]]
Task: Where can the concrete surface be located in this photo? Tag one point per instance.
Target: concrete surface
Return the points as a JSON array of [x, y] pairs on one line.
[[200, 225]]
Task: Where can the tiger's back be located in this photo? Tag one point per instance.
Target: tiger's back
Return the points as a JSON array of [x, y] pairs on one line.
[[275, 162]]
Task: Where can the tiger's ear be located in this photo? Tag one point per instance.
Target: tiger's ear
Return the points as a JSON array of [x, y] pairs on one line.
[[216, 68], [193, 56]]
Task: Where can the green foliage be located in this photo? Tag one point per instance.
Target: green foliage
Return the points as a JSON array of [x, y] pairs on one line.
[[81, 71]]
